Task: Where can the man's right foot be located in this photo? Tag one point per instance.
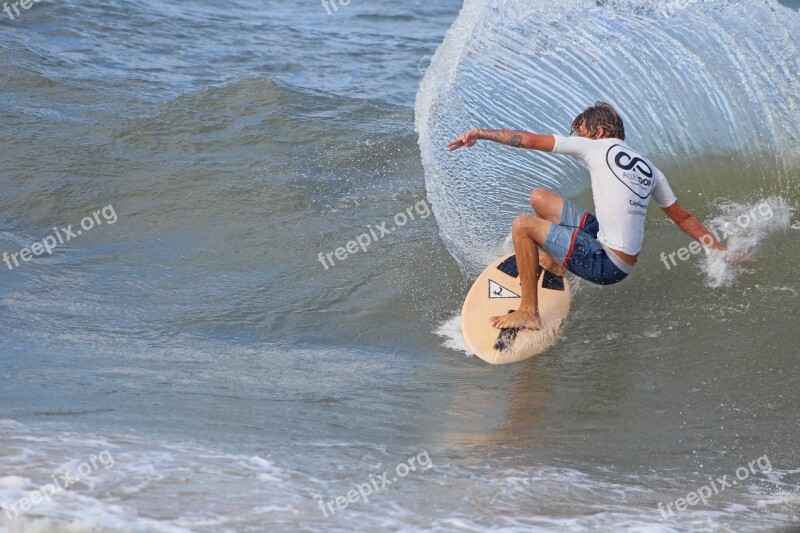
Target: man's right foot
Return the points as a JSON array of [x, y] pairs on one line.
[[519, 319]]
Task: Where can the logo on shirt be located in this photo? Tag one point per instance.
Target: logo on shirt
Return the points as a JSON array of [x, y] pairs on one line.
[[632, 169]]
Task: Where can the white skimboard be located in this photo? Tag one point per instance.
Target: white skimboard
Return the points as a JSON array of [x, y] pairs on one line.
[[497, 292]]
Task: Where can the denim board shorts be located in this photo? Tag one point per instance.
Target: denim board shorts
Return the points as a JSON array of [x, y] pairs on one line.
[[573, 243]]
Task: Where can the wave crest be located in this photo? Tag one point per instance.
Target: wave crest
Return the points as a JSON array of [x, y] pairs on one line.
[[704, 78]]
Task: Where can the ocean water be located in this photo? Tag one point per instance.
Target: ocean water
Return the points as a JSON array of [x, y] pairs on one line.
[[194, 347]]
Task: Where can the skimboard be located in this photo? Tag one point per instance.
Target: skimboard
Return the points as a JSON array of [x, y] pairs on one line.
[[497, 292]]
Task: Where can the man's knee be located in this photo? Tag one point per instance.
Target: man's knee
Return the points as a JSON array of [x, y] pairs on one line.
[[539, 197], [521, 224]]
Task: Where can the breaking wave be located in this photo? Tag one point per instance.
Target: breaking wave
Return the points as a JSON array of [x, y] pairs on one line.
[[693, 80]]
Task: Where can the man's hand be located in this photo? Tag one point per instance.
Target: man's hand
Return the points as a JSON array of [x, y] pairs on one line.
[[513, 138], [740, 258], [467, 139]]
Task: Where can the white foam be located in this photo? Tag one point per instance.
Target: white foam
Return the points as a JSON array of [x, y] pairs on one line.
[[128, 493], [746, 226], [450, 330], [14, 482]]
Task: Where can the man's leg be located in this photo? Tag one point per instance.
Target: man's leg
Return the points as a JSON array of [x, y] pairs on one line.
[[548, 205], [529, 233], [549, 264]]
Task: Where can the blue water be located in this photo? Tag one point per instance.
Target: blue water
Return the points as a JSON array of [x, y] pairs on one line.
[[240, 384]]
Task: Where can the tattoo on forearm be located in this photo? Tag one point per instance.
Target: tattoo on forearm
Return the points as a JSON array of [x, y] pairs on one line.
[[509, 137]]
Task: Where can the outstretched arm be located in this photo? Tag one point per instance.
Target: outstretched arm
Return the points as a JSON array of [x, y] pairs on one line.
[[692, 227], [517, 139]]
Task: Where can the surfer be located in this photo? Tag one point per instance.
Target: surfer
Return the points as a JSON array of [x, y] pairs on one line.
[[601, 249]]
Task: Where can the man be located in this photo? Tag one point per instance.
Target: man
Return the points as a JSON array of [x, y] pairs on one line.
[[601, 249]]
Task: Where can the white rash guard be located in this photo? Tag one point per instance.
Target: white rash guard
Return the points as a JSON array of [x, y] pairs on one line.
[[623, 181]]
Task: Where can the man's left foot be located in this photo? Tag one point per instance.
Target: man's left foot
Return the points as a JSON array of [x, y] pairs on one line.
[[519, 319]]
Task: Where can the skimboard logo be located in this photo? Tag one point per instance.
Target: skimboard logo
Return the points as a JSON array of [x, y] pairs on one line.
[[498, 291], [632, 169]]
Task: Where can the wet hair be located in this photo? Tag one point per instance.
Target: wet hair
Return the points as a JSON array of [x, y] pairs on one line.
[[602, 115]]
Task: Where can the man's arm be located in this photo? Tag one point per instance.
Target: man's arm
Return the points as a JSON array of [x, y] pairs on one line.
[[517, 139], [692, 227]]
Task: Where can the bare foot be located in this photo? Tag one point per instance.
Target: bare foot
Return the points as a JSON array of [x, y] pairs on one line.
[[519, 319]]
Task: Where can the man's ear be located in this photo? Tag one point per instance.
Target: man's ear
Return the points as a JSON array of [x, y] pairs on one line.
[[601, 132]]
